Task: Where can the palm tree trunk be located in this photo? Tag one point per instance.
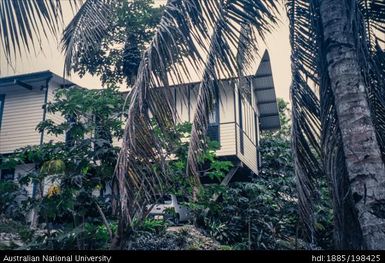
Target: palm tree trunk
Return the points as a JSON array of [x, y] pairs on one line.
[[366, 170]]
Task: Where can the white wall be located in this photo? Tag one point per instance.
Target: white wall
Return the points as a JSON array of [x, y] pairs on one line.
[[22, 112], [186, 97], [250, 132], [22, 170], [229, 121]]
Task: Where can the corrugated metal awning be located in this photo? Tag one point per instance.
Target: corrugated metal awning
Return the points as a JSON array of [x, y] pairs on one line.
[[264, 89]]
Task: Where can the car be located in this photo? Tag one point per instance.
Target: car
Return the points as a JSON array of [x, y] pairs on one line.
[[169, 207]]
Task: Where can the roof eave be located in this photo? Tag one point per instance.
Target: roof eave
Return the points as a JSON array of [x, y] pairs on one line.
[[34, 77]]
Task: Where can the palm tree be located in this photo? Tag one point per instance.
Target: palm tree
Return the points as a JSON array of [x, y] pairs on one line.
[[335, 48], [337, 95], [364, 164]]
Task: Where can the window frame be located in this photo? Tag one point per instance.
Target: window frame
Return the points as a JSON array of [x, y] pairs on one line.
[[241, 135], [214, 114], [2, 102], [213, 126]]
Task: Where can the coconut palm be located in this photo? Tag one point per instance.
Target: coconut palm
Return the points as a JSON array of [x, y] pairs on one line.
[[335, 47]]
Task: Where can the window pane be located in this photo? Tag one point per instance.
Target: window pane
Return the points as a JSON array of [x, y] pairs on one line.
[[8, 174], [167, 199], [1, 107], [213, 117]]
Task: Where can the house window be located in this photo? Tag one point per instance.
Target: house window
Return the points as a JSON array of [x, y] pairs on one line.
[[7, 174], [240, 109], [213, 129], [214, 115], [256, 128], [2, 97]]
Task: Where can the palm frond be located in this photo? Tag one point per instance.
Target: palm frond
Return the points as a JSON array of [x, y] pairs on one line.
[[246, 55], [370, 24], [141, 170], [306, 119], [306, 150], [373, 15], [24, 23], [376, 93], [86, 30]]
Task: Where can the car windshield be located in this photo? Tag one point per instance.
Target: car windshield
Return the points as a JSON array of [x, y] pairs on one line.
[[164, 200]]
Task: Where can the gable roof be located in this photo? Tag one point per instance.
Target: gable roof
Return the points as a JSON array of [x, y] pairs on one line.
[[29, 79]]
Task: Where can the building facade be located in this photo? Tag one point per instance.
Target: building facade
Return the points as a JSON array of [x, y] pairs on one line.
[[22, 108]]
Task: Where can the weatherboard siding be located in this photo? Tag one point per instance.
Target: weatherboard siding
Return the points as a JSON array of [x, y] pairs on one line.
[[22, 112], [23, 170], [249, 131], [227, 140], [227, 121], [229, 128], [185, 103], [249, 156]]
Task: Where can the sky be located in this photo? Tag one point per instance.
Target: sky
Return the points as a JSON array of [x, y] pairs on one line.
[[50, 57]]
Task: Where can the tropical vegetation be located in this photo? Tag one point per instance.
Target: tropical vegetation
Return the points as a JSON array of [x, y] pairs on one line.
[[75, 204], [337, 96]]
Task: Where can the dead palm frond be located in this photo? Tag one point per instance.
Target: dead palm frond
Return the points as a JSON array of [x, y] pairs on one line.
[[142, 168]]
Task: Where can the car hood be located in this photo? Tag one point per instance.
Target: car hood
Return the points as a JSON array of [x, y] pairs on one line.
[[158, 209]]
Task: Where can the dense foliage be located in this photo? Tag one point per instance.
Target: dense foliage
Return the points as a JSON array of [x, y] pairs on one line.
[[117, 58], [75, 208], [335, 49], [70, 176]]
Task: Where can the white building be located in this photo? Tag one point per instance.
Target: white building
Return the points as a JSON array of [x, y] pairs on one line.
[[238, 118], [22, 100]]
